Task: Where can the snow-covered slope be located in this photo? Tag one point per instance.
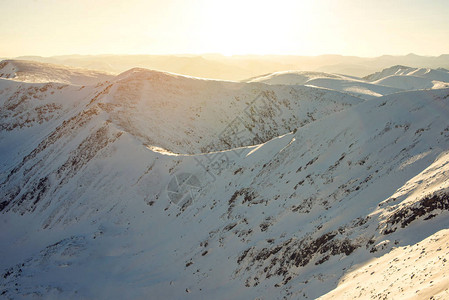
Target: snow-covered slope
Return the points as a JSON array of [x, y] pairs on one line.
[[407, 78], [417, 271], [293, 77], [191, 115], [348, 84], [142, 187], [409, 82], [30, 71], [388, 81], [432, 74]]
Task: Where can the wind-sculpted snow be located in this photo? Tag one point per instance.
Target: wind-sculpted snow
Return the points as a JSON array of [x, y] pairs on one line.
[[141, 187]]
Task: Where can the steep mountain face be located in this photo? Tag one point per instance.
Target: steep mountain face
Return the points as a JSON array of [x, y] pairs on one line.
[[142, 186], [189, 115], [410, 272]]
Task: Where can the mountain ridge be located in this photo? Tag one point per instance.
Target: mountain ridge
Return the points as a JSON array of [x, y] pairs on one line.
[[94, 210], [240, 67]]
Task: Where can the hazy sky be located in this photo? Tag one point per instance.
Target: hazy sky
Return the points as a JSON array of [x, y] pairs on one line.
[[349, 27]]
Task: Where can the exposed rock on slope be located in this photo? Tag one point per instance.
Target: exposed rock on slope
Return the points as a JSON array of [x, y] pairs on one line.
[[417, 271], [190, 115], [87, 193]]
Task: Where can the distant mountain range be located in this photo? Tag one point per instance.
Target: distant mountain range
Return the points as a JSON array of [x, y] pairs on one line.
[[242, 67]]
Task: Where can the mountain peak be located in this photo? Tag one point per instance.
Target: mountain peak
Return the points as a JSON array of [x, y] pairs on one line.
[[183, 188]]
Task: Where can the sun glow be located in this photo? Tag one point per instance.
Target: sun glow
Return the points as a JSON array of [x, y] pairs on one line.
[[254, 27], [300, 27]]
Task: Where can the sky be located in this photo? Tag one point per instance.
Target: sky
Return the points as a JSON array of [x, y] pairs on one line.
[[348, 27]]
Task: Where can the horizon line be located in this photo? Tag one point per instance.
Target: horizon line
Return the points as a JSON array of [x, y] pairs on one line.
[[217, 54]]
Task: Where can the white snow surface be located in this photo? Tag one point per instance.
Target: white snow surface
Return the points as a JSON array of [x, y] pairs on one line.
[[432, 74], [156, 185], [388, 81], [409, 82], [37, 72], [417, 271]]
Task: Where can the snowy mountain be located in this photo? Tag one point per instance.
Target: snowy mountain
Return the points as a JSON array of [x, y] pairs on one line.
[[239, 67], [440, 74], [211, 115], [348, 84], [388, 81], [30, 71], [155, 185], [407, 78]]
